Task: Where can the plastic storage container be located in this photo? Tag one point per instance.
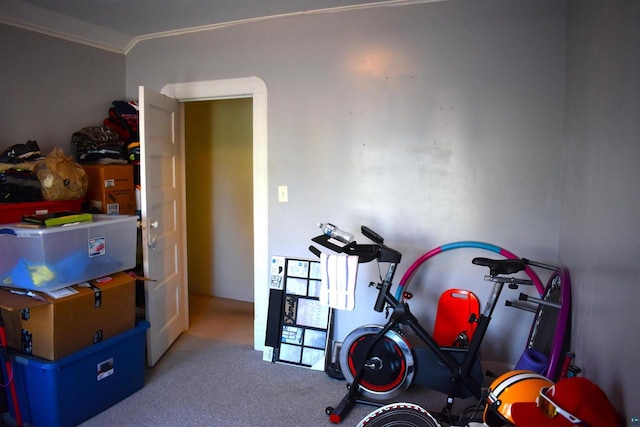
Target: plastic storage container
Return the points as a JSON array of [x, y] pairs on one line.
[[46, 259], [13, 212], [75, 388]]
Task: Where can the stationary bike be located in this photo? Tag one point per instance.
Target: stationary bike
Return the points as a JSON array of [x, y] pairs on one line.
[[379, 363]]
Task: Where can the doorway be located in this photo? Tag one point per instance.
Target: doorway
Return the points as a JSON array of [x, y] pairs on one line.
[[255, 88], [219, 197]]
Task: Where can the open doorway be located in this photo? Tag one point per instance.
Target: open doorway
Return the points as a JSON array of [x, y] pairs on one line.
[[219, 197], [255, 88]]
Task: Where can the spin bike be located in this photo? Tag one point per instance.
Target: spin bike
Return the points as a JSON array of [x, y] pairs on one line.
[[379, 363]]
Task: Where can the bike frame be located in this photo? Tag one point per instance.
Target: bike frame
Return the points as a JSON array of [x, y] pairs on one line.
[[401, 314]]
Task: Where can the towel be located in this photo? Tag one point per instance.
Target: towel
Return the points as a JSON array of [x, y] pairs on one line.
[[338, 285]]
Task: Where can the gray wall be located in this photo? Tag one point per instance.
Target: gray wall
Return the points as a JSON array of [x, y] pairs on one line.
[[50, 88], [511, 122], [430, 123], [600, 233]]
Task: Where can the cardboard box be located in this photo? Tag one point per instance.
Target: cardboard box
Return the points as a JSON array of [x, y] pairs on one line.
[[111, 188], [46, 259], [73, 389], [52, 328]]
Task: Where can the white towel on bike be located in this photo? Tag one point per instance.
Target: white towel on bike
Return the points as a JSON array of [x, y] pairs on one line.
[[338, 280]]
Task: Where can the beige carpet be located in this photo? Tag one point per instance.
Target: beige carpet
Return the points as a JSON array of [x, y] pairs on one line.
[[212, 376], [221, 319]]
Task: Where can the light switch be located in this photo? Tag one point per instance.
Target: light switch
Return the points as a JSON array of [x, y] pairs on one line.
[[283, 193]]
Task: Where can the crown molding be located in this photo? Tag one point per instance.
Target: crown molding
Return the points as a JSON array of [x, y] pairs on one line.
[[211, 27], [64, 35], [25, 16]]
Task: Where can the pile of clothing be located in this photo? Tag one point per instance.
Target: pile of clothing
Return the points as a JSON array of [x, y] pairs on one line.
[[17, 182], [19, 185], [115, 141], [19, 153]]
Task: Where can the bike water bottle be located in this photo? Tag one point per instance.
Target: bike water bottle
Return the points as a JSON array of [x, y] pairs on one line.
[[336, 233]]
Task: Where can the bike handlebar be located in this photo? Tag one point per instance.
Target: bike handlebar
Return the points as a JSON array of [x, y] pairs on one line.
[[365, 252], [371, 235], [378, 250]]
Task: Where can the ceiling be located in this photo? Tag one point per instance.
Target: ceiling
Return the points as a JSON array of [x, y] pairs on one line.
[[117, 25]]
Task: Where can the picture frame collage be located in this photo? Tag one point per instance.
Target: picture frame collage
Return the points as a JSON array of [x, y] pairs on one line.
[[300, 338]]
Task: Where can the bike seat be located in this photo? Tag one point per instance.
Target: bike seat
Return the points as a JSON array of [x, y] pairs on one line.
[[500, 266]]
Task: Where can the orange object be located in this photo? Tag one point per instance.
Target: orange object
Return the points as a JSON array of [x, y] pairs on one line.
[[453, 318], [111, 188]]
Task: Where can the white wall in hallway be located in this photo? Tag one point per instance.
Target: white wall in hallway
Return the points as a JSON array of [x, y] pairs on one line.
[[218, 147]]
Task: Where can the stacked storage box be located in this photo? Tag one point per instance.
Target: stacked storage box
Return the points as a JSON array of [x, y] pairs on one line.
[[46, 259], [74, 344], [75, 388], [13, 212], [111, 188], [79, 316]]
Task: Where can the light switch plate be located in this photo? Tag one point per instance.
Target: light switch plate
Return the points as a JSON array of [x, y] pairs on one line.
[[283, 193]]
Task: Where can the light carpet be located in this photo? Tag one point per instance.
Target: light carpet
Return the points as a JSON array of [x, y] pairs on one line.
[[205, 382]]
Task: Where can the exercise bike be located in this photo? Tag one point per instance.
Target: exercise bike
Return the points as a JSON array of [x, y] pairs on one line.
[[379, 363]]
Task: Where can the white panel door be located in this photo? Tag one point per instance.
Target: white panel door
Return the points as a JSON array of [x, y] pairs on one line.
[[163, 221]]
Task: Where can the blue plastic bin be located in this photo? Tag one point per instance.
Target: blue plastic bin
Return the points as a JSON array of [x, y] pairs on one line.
[[75, 388]]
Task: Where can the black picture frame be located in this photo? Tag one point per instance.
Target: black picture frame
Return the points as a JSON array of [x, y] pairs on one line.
[[298, 325]]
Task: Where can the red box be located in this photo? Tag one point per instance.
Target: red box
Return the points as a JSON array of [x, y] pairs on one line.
[[13, 212]]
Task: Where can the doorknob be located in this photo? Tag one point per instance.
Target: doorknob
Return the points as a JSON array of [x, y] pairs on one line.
[[152, 234]]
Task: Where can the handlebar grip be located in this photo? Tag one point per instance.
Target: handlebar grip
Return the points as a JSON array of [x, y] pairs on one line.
[[371, 235], [315, 251], [380, 302]]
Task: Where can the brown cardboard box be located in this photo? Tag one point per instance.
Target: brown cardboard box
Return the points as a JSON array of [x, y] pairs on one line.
[[111, 189], [53, 328]]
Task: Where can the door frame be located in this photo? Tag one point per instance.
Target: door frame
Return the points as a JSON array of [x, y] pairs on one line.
[[244, 87]]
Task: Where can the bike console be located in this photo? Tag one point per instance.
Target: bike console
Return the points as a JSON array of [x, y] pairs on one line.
[[365, 252]]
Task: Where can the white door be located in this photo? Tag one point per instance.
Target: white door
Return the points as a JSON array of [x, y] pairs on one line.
[[163, 221]]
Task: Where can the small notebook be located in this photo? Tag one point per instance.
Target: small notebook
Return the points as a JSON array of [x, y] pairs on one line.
[[58, 218]]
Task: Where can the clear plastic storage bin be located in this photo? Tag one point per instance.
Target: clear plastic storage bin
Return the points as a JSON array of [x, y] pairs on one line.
[[46, 259]]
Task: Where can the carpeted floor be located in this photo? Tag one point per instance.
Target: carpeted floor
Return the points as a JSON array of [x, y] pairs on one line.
[[212, 376]]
